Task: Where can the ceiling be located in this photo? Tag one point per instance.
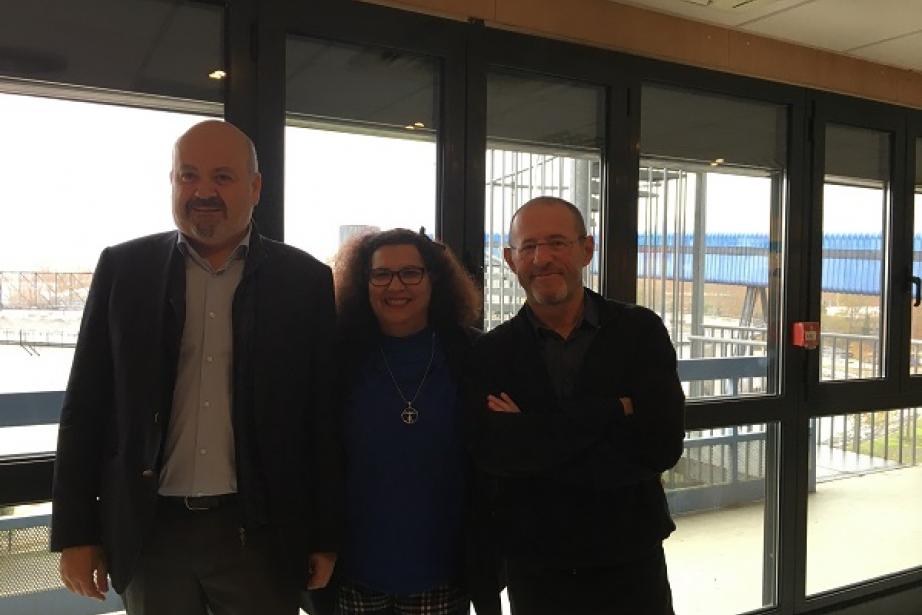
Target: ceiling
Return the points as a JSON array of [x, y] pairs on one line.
[[882, 31]]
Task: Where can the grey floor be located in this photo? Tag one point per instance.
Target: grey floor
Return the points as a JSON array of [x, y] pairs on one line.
[[859, 527]]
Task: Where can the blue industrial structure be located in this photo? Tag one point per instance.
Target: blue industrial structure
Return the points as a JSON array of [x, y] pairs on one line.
[[851, 262]]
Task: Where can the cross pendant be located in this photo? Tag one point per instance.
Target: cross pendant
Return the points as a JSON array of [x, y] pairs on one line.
[[409, 415]]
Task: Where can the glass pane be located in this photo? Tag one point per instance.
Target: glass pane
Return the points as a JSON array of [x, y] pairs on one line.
[[86, 174], [710, 236], [856, 198], [163, 48], [47, 264], [544, 138], [915, 347], [723, 498], [865, 494], [360, 143]]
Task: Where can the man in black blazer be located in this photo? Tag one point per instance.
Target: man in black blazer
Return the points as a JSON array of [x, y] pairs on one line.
[[576, 410], [198, 464]]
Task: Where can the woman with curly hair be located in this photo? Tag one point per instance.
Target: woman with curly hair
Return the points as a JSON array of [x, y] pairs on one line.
[[405, 307]]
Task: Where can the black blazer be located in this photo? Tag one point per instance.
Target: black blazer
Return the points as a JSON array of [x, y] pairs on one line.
[[118, 400], [579, 484]]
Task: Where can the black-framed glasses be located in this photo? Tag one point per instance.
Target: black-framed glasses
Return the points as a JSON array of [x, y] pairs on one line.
[[556, 245], [410, 276]]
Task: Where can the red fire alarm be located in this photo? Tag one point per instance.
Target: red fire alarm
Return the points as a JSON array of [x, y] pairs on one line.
[[806, 335]]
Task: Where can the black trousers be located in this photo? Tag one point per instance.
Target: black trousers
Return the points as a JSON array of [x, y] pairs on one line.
[[202, 562], [639, 587]]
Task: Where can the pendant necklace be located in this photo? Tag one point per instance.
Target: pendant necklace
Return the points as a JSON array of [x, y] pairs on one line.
[[410, 414]]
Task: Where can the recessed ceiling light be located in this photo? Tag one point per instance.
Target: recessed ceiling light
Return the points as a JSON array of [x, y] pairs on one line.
[[217, 74], [419, 124]]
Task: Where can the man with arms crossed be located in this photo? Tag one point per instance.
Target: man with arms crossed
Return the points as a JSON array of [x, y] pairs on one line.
[[576, 410], [198, 464]]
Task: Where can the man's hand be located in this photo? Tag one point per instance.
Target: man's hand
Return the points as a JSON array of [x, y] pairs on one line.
[[503, 403], [320, 569], [84, 571], [628, 405]]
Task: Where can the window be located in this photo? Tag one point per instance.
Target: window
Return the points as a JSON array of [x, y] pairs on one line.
[[722, 493], [856, 208], [88, 175], [863, 501], [544, 138], [91, 100], [709, 236], [360, 143]]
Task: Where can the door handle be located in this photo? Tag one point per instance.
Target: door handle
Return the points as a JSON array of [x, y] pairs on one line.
[[917, 287]]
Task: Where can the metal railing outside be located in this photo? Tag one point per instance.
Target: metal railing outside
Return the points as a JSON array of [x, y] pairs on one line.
[[850, 356], [843, 445], [43, 290], [844, 356], [31, 339], [867, 441], [720, 456]]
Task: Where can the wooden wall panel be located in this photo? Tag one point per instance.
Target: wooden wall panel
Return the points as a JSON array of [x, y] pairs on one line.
[[910, 89], [615, 26], [758, 56], [840, 73], [602, 23]]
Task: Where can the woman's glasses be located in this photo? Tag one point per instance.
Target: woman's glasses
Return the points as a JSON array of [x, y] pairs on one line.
[[410, 276]]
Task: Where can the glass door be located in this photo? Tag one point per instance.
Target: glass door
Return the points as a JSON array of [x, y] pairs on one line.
[[862, 462], [710, 253]]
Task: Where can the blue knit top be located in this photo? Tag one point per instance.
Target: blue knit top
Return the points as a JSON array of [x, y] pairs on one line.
[[405, 484]]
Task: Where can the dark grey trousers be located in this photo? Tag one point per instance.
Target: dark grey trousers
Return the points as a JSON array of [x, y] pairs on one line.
[[640, 587], [201, 562]]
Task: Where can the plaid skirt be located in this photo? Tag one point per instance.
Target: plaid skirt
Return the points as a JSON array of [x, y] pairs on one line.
[[355, 599]]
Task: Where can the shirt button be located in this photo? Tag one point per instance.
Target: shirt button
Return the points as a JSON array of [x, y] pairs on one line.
[[202, 451], [210, 359], [207, 404]]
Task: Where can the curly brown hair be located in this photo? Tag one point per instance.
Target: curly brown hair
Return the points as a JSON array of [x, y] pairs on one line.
[[456, 301]]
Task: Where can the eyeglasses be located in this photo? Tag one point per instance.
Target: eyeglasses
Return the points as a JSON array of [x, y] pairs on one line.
[[410, 276], [555, 246]]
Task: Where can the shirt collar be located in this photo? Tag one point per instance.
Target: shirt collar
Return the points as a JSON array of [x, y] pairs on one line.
[[238, 253], [588, 319]]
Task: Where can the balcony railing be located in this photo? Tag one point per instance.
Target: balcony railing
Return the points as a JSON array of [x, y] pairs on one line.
[[725, 466], [32, 339], [746, 360]]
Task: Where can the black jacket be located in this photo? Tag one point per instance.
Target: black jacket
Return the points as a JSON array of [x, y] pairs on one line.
[[118, 400], [579, 484]]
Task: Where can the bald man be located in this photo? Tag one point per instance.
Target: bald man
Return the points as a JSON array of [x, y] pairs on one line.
[[198, 466], [576, 409]]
